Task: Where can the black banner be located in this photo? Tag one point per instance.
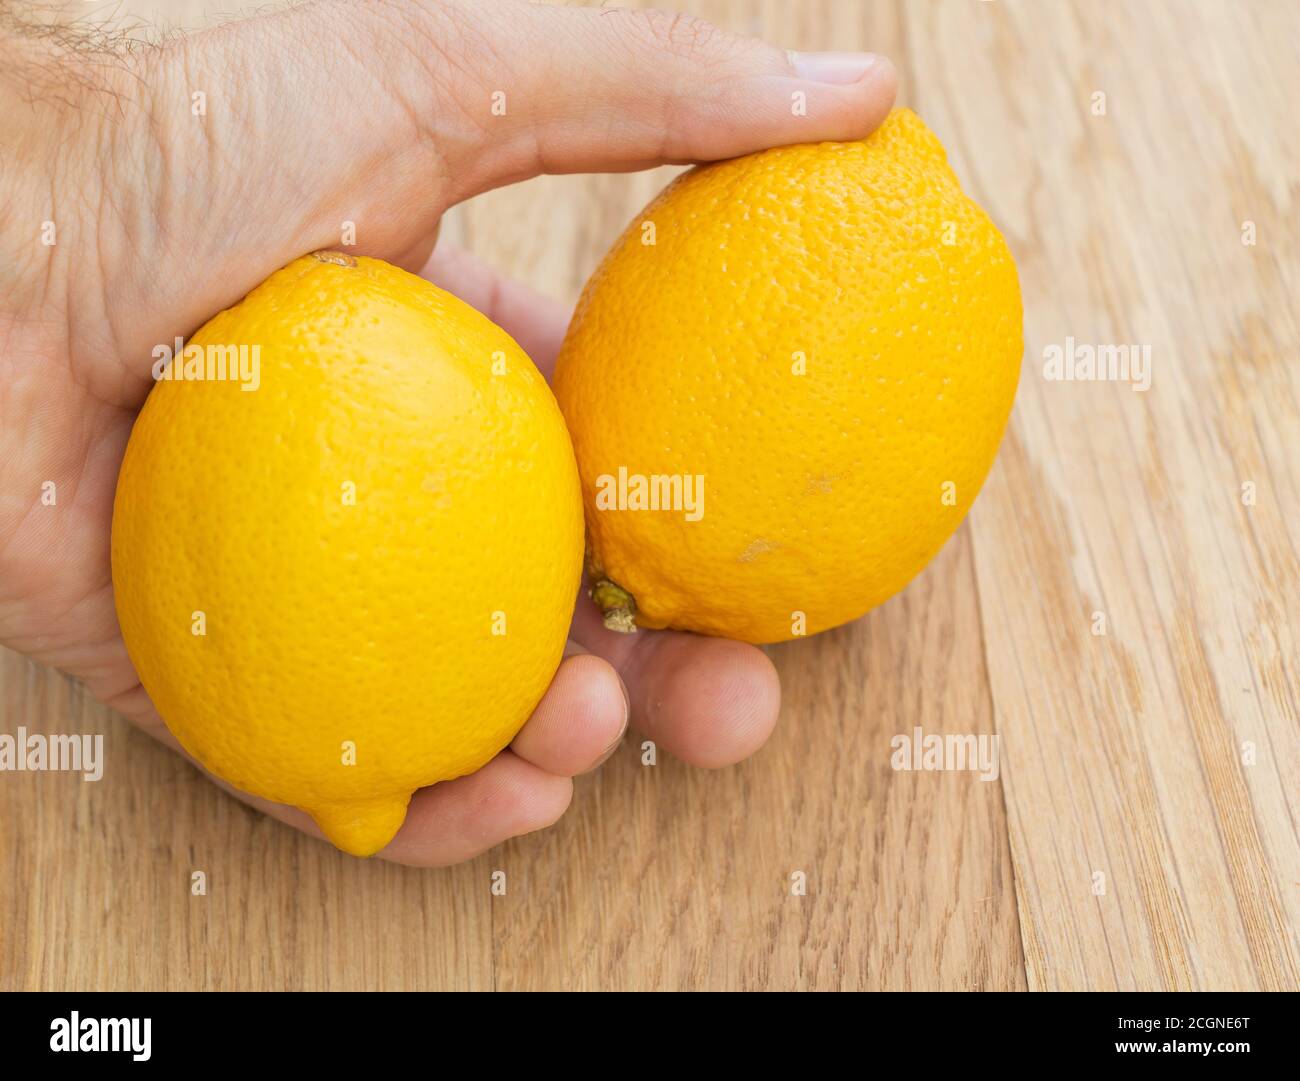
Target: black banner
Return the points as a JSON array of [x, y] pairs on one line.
[[142, 1031]]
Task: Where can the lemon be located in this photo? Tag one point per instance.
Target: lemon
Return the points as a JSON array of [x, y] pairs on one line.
[[786, 383], [346, 570]]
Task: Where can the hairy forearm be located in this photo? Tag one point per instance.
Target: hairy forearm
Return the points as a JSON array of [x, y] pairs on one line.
[[54, 83], [80, 107]]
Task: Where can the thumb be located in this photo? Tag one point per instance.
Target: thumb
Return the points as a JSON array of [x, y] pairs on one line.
[[401, 109], [600, 89]]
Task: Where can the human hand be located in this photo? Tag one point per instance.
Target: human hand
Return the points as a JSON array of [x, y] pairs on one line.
[[146, 190]]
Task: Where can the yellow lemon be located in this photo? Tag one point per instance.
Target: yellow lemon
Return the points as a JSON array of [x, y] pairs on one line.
[[786, 383], [345, 570]]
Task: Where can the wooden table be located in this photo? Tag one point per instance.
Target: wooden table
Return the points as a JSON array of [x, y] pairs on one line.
[[1142, 832]]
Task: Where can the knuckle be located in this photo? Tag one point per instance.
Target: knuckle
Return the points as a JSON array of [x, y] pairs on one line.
[[686, 36]]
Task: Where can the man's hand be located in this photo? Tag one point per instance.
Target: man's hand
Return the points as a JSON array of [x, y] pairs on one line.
[[143, 191]]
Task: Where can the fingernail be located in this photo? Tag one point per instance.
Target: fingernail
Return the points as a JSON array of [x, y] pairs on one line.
[[608, 753], [606, 756], [840, 68]]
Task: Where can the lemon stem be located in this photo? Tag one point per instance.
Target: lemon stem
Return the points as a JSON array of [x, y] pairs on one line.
[[618, 605]]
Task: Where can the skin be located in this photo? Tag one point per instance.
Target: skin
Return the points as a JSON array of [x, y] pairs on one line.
[[377, 113]]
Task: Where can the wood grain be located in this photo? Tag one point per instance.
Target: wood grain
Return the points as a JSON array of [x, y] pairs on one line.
[[1126, 843], [1124, 751]]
